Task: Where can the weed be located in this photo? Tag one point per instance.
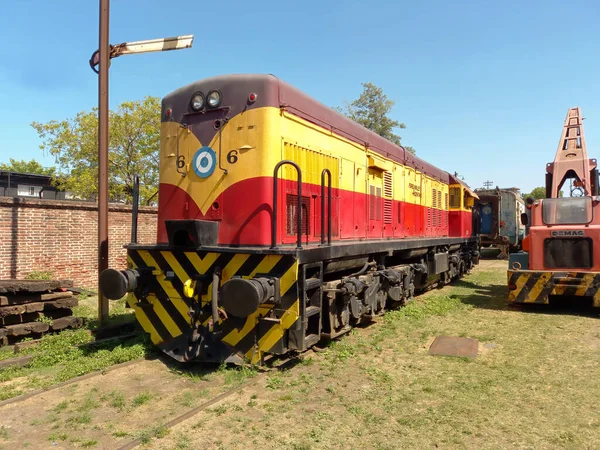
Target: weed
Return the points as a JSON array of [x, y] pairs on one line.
[[7, 392], [62, 406], [120, 434], [141, 398], [45, 319], [82, 418], [182, 442], [188, 398], [307, 361], [89, 443], [274, 382], [89, 402], [54, 437], [219, 410], [160, 431], [238, 375], [4, 432], [39, 275], [117, 400], [379, 375], [286, 398], [343, 350]]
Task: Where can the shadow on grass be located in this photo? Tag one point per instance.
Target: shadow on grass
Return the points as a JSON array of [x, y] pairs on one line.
[[199, 370], [492, 296], [566, 306], [489, 253], [495, 296]]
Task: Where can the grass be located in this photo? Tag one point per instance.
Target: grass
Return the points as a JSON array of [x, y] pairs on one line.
[[118, 312], [158, 432], [141, 398]]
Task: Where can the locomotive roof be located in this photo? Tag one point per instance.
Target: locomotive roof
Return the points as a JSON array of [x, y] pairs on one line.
[[272, 91]]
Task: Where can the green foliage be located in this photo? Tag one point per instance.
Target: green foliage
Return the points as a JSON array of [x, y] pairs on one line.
[[23, 166], [134, 141], [116, 398], [371, 110], [45, 319], [438, 305], [159, 432], [141, 398], [274, 382], [58, 437], [537, 193], [39, 275]]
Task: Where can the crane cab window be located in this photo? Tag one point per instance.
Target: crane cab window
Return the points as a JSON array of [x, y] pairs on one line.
[[568, 210]]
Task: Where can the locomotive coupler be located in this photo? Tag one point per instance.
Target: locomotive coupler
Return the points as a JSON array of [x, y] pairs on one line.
[[114, 284]]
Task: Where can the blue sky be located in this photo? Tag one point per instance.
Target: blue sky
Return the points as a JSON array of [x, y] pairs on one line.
[[483, 87]]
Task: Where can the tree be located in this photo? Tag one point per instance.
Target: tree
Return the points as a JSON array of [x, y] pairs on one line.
[[134, 141], [536, 194], [23, 166], [371, 111], [539, 193]]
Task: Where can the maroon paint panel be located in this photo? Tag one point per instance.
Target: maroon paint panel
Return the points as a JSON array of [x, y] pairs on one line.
[[246, 220]]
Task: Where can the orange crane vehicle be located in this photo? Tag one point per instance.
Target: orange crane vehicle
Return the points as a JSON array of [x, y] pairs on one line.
[[561, 249]]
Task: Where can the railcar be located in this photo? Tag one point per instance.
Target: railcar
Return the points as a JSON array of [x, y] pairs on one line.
[[500, 211], [282, 223]]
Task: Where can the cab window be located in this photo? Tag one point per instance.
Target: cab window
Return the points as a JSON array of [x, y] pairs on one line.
[[568, 210], [455, 197]]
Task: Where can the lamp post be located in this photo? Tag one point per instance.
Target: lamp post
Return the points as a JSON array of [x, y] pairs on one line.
[[102, 58]]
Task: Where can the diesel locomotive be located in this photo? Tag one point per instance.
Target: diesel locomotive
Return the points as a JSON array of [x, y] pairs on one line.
[[282, 223]]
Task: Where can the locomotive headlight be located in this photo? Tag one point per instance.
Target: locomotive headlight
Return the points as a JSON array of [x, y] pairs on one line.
[[197, 101], [214, 99]]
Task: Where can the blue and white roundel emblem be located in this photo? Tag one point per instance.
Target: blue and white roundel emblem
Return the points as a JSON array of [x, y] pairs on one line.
[[204, 162]]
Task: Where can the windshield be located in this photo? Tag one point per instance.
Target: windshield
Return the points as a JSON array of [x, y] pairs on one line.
[[568, 210]]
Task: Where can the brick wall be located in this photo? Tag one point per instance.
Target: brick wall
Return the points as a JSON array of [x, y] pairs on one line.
[[62, 237]]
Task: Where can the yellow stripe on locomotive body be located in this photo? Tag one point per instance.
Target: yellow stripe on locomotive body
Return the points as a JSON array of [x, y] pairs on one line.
[[536, 287], [167, 314], [252, 132]]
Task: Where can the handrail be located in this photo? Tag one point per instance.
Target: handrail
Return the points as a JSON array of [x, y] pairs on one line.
[[328, 172], [274, 218], [134, 208]]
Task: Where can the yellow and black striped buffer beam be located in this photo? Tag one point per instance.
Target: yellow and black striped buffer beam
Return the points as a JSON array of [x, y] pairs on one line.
[[535, 287], [165, 312]]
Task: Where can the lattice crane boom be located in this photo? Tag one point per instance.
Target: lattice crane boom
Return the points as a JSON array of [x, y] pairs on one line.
[[571, 160]]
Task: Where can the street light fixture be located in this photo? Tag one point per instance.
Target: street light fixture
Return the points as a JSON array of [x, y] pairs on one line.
[[102, 58]]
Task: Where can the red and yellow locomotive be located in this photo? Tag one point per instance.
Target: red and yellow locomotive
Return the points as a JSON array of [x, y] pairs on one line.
[[282, 223]]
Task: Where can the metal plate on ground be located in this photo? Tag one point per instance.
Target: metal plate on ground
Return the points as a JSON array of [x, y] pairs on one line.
[[454, 346]]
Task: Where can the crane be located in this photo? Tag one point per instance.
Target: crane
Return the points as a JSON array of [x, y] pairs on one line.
[[561, 252]]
